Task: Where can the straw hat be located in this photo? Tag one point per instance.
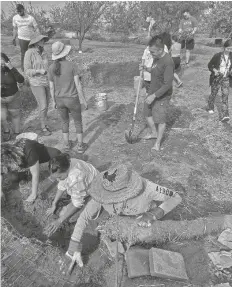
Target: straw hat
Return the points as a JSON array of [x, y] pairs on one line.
[[37, 39], [60, 50], [116, 185]]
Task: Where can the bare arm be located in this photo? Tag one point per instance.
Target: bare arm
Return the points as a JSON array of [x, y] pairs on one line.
[[80, 89], [15, 32], [52, 91], [69, 212], [35, 181]]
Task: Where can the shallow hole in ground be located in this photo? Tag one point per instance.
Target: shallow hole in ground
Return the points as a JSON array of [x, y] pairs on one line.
[[28, 225]]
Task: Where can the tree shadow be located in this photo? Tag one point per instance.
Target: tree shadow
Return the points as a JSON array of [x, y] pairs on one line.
[[109, 118]]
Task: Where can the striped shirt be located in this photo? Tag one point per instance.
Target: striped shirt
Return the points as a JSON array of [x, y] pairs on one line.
[[80, 177], [33, 61], [26, 25]]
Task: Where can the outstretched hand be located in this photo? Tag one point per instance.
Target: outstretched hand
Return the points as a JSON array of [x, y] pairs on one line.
[[145, 220], [51, 210], [68, 263], [52, 227]]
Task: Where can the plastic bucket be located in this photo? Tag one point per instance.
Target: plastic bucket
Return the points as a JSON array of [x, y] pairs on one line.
[[136, 83], [30, 136], [101, 102]]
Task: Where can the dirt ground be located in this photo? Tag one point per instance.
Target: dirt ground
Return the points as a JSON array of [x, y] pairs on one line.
[[195, 160]]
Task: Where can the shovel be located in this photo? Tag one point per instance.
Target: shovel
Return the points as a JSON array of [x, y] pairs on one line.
[[129, 134]]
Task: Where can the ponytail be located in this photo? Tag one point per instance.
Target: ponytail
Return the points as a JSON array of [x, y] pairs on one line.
[[57, 67]]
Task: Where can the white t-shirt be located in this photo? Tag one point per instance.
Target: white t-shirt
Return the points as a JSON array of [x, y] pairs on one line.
[[26, 26], [225, 65], [149, 61]]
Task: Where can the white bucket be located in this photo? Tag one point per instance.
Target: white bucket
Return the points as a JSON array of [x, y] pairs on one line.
[[30, 136], [101, 101], [136, 83]]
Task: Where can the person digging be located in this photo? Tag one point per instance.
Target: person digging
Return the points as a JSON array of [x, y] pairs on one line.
[[121, 191], [75, 177]]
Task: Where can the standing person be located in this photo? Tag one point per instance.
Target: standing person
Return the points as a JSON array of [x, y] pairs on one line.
[[75, 177], [66, 88], [122, 191], [187, 29], [10, 96], [161, 88], [151, 22], [147, 60], [25, 26], [167, 39], [24, 154], [36, 67], [220, 67], [175, 53]]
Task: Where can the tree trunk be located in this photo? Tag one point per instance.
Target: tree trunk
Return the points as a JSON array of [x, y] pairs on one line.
[[81, 39], [162, 231]]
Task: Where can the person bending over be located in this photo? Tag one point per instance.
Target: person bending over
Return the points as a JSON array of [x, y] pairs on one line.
[[75, 177], [24, 154], [122, 191]]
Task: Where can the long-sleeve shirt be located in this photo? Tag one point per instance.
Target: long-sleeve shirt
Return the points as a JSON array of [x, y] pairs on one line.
[[135, 206], [33, 61], [9, 80], [162, 74]]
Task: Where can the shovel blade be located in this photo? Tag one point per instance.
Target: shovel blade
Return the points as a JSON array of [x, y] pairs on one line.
[[130, 138]]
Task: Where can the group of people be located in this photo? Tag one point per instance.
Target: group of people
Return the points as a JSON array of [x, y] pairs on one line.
[[62, 77], [119, 190]]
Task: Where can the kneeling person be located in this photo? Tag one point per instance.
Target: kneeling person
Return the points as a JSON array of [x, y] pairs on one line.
[[75, 177], [122, 191]]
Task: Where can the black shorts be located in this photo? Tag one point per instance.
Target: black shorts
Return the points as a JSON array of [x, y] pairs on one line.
[[176, 61], [147, 85], [188, 44]]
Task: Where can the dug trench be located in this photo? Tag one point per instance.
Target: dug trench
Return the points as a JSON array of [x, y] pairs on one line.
[[185, 164]]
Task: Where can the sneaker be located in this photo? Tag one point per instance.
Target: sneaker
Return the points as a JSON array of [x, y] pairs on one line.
[[66, 147], [225, 119], [6, 136], [81, 148], [211, 112], [46, 132]]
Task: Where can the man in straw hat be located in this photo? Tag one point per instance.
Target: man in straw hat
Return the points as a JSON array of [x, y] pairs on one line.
[[122, 191]]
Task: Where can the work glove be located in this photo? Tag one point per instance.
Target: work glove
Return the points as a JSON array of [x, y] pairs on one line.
[[73, 256]]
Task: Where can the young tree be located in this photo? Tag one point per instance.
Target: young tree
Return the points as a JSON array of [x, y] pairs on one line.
[[79, 16]]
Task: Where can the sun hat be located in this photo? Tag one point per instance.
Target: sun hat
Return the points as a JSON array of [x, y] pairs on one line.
[[115, 185], [37, 39], [60, 50]]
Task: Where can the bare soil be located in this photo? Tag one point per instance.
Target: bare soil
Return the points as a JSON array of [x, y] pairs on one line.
[[195, 160]]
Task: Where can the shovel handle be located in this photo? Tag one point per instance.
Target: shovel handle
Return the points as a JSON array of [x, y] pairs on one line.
[[137, 95]]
